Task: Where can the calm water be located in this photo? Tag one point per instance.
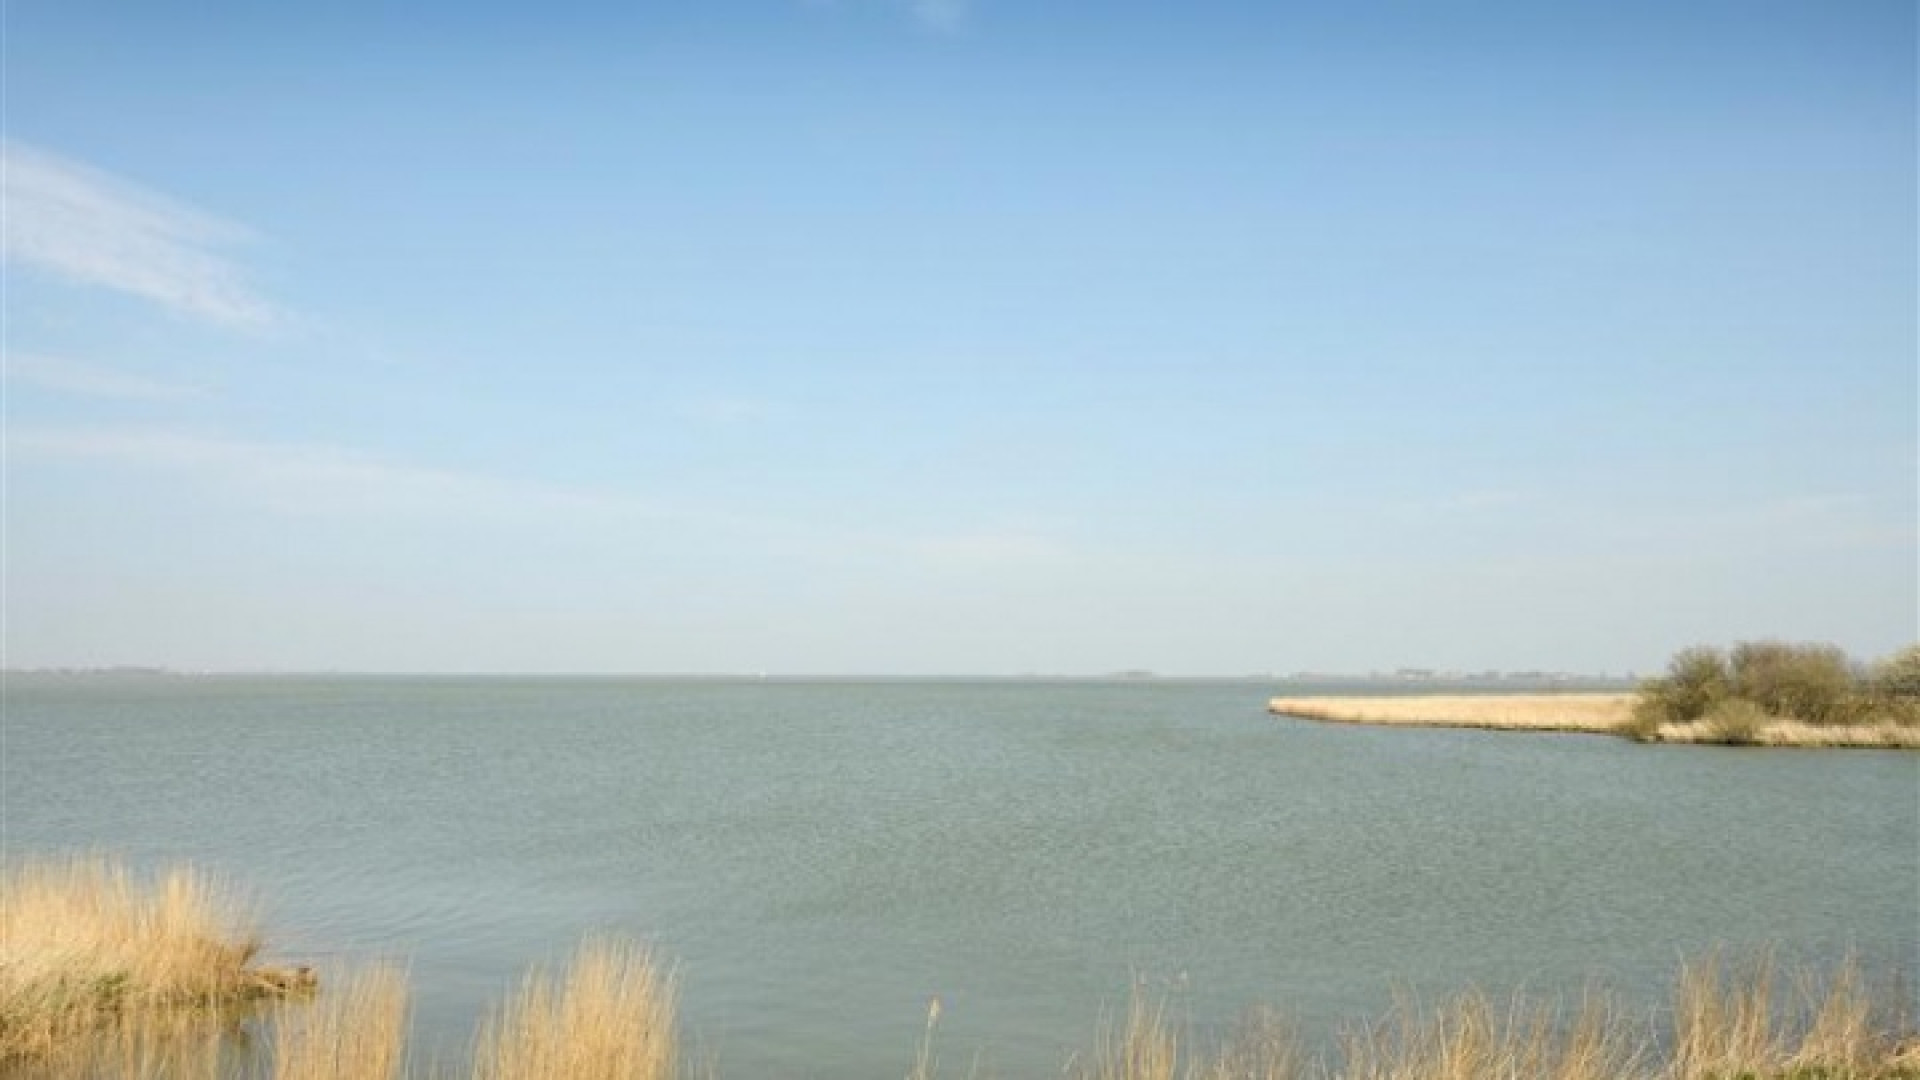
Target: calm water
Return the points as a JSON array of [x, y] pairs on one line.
[[824, 858]]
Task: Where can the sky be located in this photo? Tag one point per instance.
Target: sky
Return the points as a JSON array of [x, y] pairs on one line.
[[956, 336]]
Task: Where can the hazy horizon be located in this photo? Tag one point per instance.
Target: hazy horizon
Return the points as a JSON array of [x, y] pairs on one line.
[[915, 336], [1522, 678]]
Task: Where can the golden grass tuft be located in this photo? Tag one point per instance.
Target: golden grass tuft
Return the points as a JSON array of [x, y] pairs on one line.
[[611, 1017], [1738, 1020], [356, 1030], [1143, 1047], [83, 940]]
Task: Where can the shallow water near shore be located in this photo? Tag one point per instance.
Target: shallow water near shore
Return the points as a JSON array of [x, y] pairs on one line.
[[823, 858]]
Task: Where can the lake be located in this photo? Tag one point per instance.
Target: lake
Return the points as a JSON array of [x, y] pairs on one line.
[[822, 858]]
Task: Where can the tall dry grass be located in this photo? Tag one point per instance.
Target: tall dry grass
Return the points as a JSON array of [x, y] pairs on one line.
[[1470, 1038], [1734, 1020], [1144, 1045], [1729, 1022], [356, 1030], [609, 1017], [85, 939], [152, 1045]]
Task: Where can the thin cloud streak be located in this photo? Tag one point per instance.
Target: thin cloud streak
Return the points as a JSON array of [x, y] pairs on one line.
[[91, 228], [78, 377], [321, 480], [939, 16], [727, 411], [945, 16], [303, 479]]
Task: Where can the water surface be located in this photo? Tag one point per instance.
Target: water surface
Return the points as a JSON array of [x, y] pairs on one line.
[[822, 858]]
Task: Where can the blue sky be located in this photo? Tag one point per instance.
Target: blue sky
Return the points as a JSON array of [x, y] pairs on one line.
[[960, 336]]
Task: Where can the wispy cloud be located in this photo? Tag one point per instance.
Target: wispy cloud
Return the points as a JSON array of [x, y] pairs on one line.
[[306, 479], [93, 228], [330, 481], [69, 376], [726, 411], [940, 16], [945, 16]]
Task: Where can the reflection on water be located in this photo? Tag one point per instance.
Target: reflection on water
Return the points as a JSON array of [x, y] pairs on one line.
[[825, 858]]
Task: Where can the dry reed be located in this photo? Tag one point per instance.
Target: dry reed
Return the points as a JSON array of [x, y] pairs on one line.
[[356, 1030], [1737, 1020], [1587, 712], [1469, 1039], [84, 939], [1143, 1047], [610, 1018]]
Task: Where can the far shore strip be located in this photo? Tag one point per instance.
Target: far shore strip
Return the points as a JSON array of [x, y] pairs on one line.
[[1591, 713], [1588, 712]]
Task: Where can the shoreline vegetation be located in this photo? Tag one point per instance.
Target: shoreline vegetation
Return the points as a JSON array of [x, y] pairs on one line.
[[1759, 693], [86, 994]]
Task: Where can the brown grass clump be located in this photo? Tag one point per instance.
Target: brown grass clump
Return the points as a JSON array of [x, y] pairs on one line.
[[610, 1017], [83, 940]]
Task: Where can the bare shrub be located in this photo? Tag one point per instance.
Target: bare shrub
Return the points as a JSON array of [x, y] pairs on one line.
[[1807, 682]]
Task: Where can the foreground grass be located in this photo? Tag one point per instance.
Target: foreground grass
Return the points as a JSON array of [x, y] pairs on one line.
[[83, 941], [610, 1014]]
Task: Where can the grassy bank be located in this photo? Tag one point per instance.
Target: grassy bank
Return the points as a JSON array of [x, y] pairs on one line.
[[1591, 713], [1775, 693], [610, 1014], [1759, 693]]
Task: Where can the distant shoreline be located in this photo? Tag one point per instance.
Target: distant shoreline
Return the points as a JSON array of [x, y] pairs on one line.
[[1576, 712]]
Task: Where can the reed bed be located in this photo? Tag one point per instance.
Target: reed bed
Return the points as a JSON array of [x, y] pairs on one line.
[[1603, 713]]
